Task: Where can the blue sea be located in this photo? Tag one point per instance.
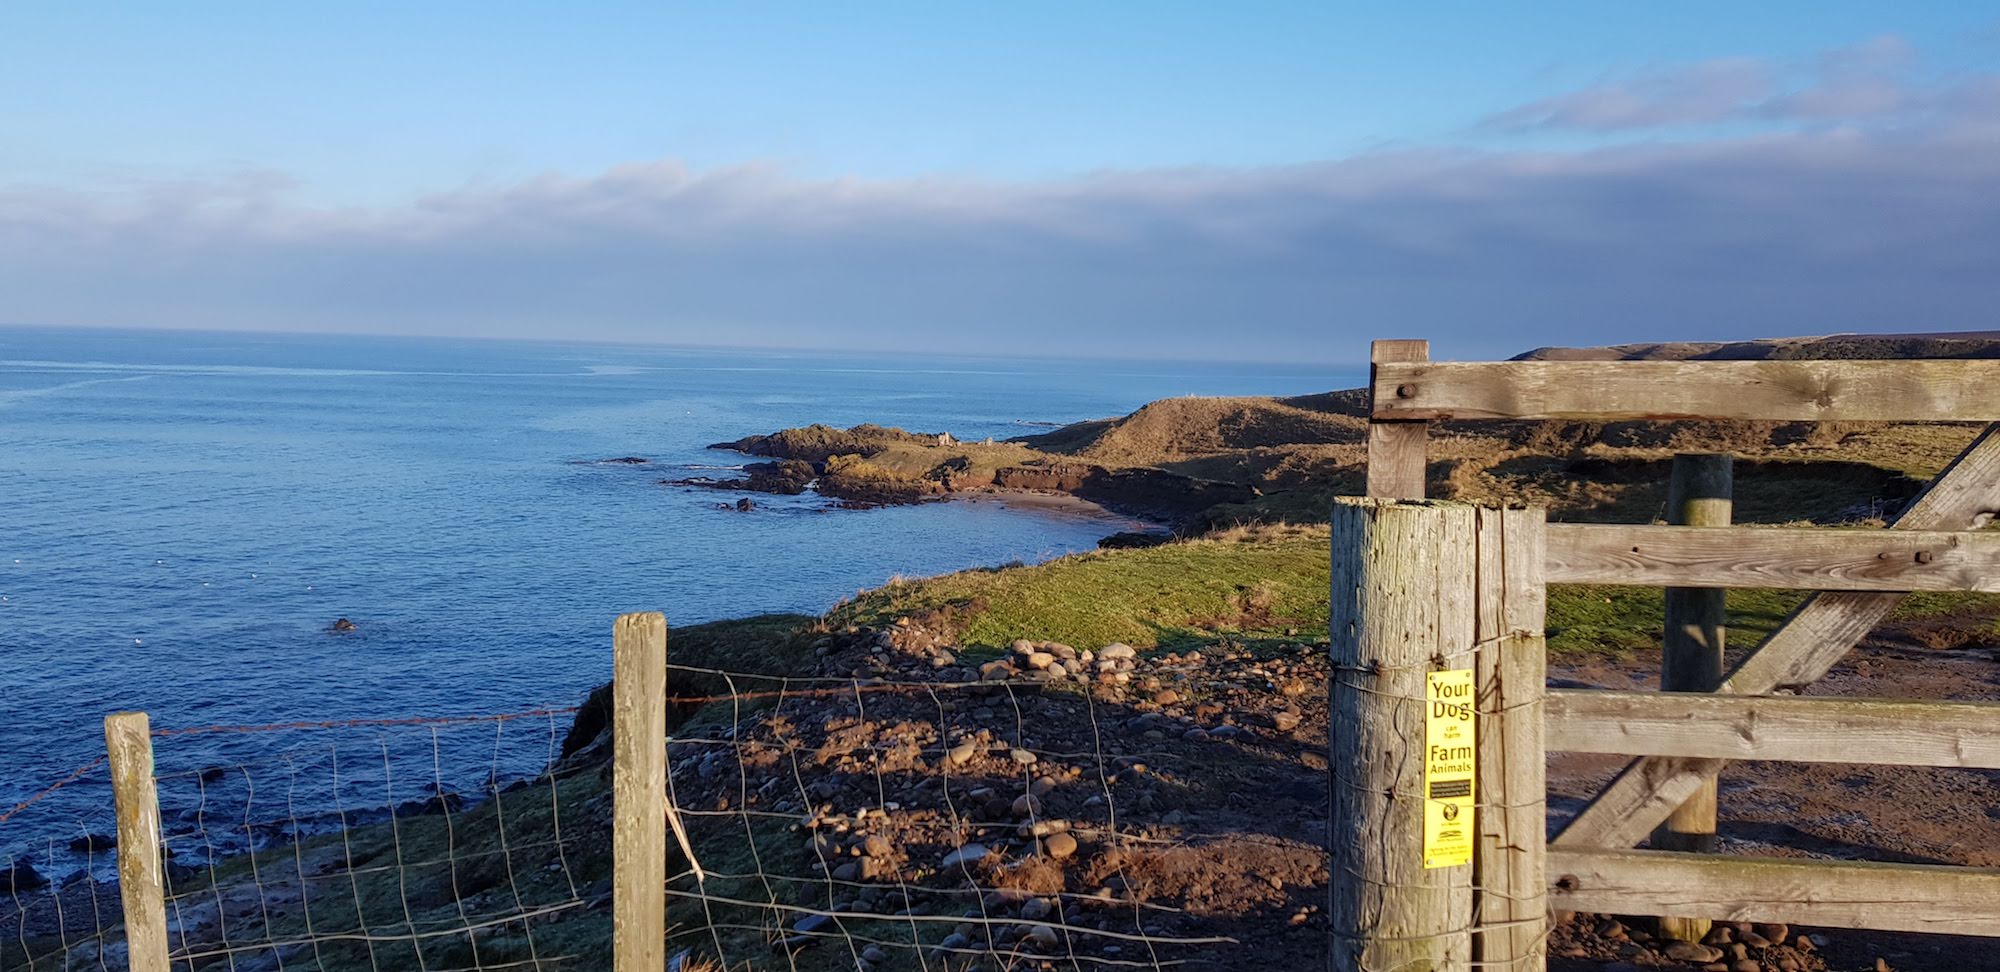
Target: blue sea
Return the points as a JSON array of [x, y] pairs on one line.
[[182, 514]]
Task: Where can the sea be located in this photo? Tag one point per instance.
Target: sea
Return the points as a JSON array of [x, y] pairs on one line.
[[184, 514]]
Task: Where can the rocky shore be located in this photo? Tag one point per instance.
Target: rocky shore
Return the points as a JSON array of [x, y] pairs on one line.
[[874, 465]]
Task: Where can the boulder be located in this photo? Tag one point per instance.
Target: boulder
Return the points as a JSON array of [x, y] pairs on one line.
[[18, 876]]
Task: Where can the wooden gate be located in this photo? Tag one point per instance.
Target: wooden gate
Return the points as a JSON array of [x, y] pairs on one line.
[[1681, 740]]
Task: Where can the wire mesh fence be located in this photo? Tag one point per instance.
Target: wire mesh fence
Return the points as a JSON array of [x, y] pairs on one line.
[[1043, 810], [57, 896], [374, 844]]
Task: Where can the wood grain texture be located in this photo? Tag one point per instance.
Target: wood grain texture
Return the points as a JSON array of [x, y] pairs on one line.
[[128, 741], [1511, 675], [1965, 496], [1397, 451], [639, 793], [1612, 391], [1810, 730], [1700, 493], [1402, 604], [1804, 558], [1837, 894]]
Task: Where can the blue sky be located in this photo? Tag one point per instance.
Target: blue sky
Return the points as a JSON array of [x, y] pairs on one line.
[[1107, 177]]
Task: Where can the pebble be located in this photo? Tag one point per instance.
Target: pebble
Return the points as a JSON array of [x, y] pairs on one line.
[[1692, 952], [1059, 845], [1040, 659], [1116, 651], [1022, 757], [1026, 805], [966, 855], [1286, 720], [962, 752]]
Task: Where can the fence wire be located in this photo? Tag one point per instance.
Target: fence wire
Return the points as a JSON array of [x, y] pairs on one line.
[[889, 821], [950, 824]]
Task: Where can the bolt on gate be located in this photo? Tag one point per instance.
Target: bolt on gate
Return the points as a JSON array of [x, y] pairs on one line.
[[1425, 592]]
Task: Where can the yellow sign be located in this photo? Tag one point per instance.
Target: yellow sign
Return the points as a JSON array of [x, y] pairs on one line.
[[1448, 760]]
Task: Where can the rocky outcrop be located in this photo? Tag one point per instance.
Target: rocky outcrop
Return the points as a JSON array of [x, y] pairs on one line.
[[786, 477], [818, 443], [1062, 477], [18, 876]]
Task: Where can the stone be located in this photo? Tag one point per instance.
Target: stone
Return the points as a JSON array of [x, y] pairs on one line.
[[1117, 651], [93, 843], [962, 753], [1026, 805], [812, 923], [875, 845], [1166, 697], [18, 876], [1035, 909], [1694, 952], [996, 671], [1040, 659], [847, 872], [1059, 845], [1285, 720], [1056, 670], [1022, 756], [965, 856]]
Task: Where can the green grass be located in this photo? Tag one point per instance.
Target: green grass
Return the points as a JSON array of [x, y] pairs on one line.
[[1613, 620], [1247, 585], [1271, 583]]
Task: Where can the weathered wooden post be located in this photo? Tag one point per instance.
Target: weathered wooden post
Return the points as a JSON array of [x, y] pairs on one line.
[[639, 793], [1397, 448], [128, 741], [1509, 869], [1403, 607], [1699, 494]]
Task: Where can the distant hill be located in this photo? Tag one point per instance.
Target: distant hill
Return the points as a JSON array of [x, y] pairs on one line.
[[1948, 344], [1203, 463]]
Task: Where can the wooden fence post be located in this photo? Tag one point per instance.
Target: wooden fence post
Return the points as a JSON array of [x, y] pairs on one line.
[[1402, 605], [1397, 449], [1699, 494], [1509, 872], [639, 793], [128, 741]]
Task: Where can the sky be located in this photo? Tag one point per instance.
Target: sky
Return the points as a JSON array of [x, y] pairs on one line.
[[1246, 181]]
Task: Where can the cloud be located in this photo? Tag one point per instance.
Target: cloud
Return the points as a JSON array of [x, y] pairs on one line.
[[1874, 80], [1785, 232], [1711, 91]]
